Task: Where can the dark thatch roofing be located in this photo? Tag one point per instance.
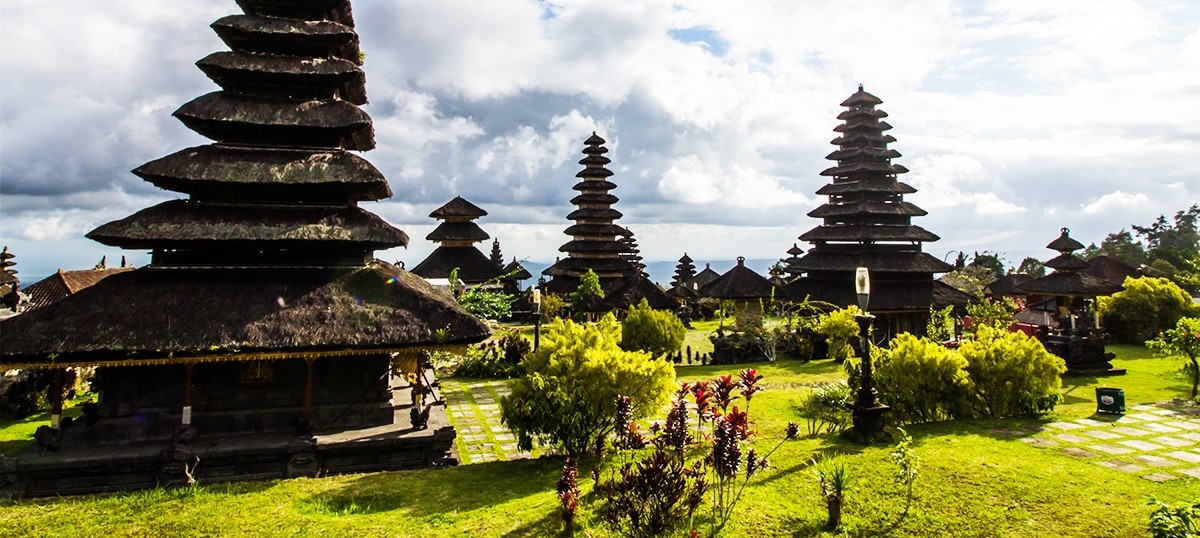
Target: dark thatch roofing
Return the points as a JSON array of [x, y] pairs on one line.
[[594, 198], [242, 119], [459, 207], [1110, 269], [1007, 285], [179, 223], [607, 213], [636, 288], [909, 296], [844, 154], [869, 167], [334, 10], [458, 231], [819, 259], [868, 232], [595, 185], [473, 266], [872, 208], [516, 271], [1064, 243], [946, 295], [703, 278], [62, 284], [861, 98], [682, 292], [584, 245], [157, 313], [1066, 262], [272, 35], [222, 172], [1071, 284], [286, 76], [886, 187], [602, 230], [741, 282], [600, 266]]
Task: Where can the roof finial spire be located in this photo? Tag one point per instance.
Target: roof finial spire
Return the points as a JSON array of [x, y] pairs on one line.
[[860, 88]]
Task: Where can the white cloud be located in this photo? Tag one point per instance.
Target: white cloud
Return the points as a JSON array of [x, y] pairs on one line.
[[1116, 202]]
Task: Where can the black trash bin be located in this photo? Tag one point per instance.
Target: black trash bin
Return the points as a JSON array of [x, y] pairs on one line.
[[1110, 400]]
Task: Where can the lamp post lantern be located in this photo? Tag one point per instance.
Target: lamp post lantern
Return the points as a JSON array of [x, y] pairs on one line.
[[866, 410], [537, 312]]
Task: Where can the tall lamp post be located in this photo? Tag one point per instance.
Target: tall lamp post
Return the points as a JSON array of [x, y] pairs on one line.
[[537, 313], [866, 410]]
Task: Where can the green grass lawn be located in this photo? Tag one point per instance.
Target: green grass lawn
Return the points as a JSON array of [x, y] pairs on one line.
[[972, 483]]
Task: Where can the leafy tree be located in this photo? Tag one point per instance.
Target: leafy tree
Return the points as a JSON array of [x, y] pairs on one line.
[[565, 396], [1147, 306], [1123, 248], [992, 262], [992, 312], [1011, 373], [970, 279], [1175, 242], [1182, 341], [486, 304], [657, 332], [1033, 267], [589, 285]]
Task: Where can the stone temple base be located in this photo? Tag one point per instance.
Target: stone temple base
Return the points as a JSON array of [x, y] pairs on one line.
[[82, 466]]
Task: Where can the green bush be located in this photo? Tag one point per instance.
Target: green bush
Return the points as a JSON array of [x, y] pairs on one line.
[[922, 380], [1184, 342], [839, 328], [565, 396], [824, 408], [657, 332], [500, 358], [486, 304], [1011, 373], [1146, 307], [1175, 521]]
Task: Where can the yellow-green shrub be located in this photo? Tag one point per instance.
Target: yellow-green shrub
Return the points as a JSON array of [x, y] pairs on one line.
[[838, 328], [1011, 373], [922, 380]]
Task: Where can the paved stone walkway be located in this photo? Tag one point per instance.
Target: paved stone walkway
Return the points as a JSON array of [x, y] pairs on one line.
[[474, 408], [1153, 442]]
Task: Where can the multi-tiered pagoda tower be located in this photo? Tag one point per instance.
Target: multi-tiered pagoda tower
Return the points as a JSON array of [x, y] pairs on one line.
[[263, 319], [867, 223], [595, 238], [456, 237]]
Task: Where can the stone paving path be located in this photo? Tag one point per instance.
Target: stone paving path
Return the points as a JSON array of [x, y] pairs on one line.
[[474, 409], [1153, 442]]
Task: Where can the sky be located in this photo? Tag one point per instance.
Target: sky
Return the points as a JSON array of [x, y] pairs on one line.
[[1015, 118]]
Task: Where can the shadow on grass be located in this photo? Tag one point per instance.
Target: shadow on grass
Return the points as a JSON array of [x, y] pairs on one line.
[[437, 491]]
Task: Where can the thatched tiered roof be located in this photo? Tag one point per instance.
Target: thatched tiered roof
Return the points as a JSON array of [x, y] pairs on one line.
[[636, 288], [703, 277], [1068, 279], [740, 283], [595, 240], [866, 222], [456, 237], [269, 253]]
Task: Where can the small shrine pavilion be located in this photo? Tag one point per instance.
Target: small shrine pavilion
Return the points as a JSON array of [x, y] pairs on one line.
[[867, 223], [456, 237], [747, 290], [1070, 324], [263, 340]]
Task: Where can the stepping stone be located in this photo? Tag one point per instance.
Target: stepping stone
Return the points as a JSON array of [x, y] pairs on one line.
[[1155, 461], [509, 447], [1192, 436], [1144, 416], [1140, 445], [1122, 466], [1173, 441], [1006, 432], [1077, 452], [1069, 438], [1125, 419], [1160, 428], [1189, 425], [1159, 477], [1039, 441], [1110, 449], [1190, 457], [1194, 473], [1144, 407], [1101, 434], [1065, 425], [1093, 422], [1132, 432], [1166, 412]]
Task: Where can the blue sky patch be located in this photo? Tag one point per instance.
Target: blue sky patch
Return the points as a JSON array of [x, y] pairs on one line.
[[699, 34]]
